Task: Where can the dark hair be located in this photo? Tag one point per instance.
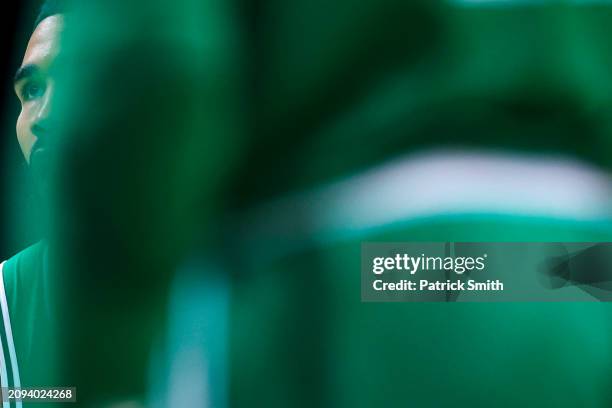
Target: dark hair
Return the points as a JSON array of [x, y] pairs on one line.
[[50, 8]]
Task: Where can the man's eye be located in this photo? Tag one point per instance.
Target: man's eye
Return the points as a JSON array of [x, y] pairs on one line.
[[33, 90]]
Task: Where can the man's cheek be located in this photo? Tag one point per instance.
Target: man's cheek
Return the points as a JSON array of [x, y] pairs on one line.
[[24, 134]]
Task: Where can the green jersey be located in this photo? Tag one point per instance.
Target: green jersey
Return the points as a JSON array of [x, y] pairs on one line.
[[27, 329]]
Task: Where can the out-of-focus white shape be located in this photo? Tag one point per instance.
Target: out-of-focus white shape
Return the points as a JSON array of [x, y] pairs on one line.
[[468, 182], [190, 368], [440, 182]]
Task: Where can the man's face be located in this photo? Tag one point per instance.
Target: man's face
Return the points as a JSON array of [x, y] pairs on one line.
[[34, 84]]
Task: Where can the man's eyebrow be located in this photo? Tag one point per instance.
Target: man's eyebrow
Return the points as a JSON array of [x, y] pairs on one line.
[[25, 71]]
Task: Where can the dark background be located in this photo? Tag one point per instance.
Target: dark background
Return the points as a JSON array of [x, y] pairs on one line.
[[16, 20]]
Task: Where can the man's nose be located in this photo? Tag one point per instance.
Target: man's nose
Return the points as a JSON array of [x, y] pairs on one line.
[[42, 123]]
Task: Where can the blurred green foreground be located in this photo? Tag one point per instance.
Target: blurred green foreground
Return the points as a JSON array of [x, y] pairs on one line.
[[189, 119]]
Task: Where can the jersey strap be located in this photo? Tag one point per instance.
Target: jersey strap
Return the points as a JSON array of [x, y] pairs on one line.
[[9, 370]]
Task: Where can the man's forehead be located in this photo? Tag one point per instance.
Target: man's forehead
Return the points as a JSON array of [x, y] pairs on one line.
[[44, 43]]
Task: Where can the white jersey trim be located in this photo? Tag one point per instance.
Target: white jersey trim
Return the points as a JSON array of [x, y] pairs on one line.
[[10, 343]]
